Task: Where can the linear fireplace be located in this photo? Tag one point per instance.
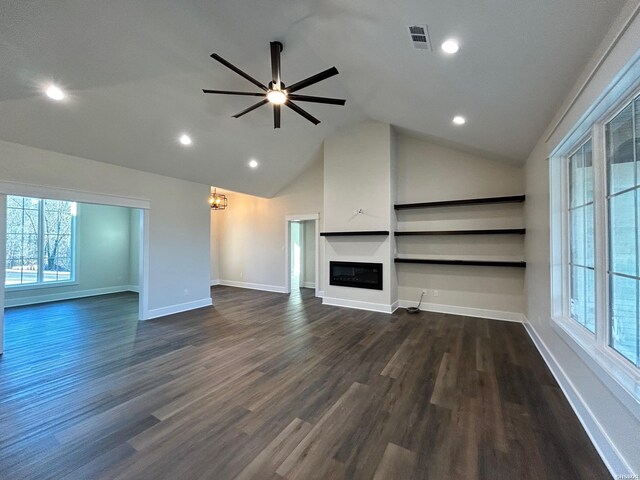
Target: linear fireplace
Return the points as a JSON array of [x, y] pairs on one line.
[[356, 274]]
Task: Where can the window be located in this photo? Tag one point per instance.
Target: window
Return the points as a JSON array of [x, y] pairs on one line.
[[622, 141], [581, 260], [595, 233], [40, 241]]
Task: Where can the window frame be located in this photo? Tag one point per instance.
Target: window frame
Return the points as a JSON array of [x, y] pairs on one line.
[[73, 280], [632, 369], [566, 209], [596, 345]]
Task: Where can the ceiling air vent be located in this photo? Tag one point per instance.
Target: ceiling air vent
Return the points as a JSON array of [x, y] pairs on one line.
[[420, 37]]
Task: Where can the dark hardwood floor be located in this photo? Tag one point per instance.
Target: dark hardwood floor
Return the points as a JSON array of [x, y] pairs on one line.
[[271, 386]]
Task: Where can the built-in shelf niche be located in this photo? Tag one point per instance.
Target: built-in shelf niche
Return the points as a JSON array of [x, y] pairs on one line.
[[462, 203]]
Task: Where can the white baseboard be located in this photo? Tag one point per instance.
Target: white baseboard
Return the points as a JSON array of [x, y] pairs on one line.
[[133, 288], [309, 285], [215, 281], [373, 307], [320, 294], [466, 311], [610, 455], [56, 297], [178, 308], [254, 286]]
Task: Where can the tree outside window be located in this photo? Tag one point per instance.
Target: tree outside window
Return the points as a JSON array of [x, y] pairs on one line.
[[40, 240]]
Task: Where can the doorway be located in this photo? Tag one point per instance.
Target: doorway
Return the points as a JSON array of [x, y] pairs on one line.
[[296, 249], [301, 266], [76, 242]]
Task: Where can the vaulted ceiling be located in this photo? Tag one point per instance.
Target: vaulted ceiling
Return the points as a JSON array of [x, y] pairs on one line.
[[134, 70]]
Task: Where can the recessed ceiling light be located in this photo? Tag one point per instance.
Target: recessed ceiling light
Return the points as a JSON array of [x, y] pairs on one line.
[[450, 46], [185, 139], [277, 97], [253, 163], [54, 92], [458, 120]]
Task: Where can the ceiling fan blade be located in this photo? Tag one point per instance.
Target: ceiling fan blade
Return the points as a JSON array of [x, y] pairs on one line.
[[276, 48], [276, 116], [230, 66], [251, 108], [229, 92], [301, 112], [308, 98], [318, 77]]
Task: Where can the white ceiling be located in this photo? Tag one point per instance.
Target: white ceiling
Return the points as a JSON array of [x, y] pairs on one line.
[[135, 70]]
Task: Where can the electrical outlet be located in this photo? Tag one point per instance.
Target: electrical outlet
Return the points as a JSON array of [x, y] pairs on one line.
[[436, 293], [425, 292]]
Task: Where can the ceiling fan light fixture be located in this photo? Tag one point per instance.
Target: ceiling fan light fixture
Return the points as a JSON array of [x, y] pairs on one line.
[[277, 97], [275, 93]]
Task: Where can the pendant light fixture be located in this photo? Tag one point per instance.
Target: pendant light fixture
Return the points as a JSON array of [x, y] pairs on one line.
[[218, 201]]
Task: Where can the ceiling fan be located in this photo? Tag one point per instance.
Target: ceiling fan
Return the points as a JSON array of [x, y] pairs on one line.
[[277, 93]]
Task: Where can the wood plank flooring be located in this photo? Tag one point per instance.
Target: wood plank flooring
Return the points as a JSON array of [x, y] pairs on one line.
[[270, 386]]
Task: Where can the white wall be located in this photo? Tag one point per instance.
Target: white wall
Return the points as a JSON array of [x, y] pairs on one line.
[[178, 251], [393, 219], [427, 172], [308, 256], [296, 239], [135, 217], [358, 174], [612, 416], [251, 231], [103, 244], [214, 247]]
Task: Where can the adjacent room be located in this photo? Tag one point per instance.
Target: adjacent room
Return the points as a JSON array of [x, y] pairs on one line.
[[84, 250], [320, 240]]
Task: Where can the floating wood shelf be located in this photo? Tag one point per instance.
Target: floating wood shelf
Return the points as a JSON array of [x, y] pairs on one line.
[[440, 261], [353, 234], [468, 201], [503, 231]]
